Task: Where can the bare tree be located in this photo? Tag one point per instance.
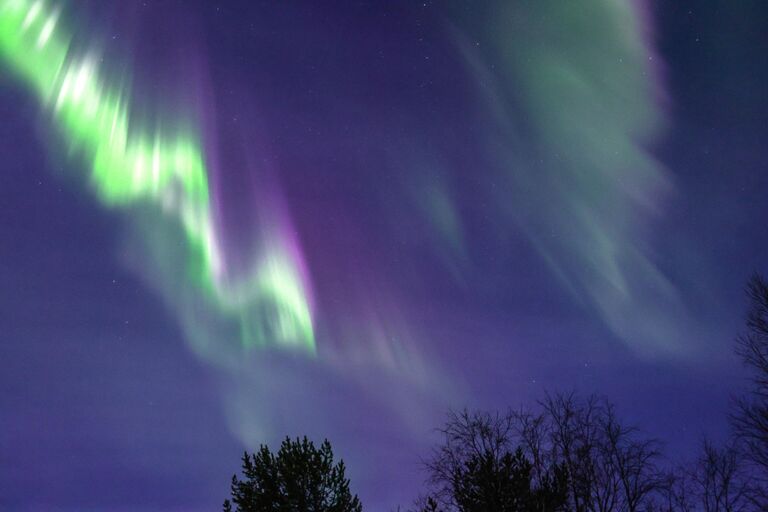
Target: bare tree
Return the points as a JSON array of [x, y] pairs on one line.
[[466, 437], [750, 416], [532, 432], [719, 482], [677, 494], [610, 465], [630, 460], [568, 454], [573, 431], [480, 466]]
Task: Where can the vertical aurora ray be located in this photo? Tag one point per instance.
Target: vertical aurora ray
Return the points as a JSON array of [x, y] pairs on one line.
[[131, 165]]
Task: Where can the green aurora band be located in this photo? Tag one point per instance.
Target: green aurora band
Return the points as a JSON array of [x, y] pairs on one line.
[[134, 165]]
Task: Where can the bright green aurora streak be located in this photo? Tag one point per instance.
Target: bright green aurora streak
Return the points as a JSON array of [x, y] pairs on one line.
[[132, 164]]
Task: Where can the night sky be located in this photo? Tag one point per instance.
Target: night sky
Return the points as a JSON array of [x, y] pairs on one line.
[[384, 209]]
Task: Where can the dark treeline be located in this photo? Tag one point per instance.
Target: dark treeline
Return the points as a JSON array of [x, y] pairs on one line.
[[574, 454], [569, 453]]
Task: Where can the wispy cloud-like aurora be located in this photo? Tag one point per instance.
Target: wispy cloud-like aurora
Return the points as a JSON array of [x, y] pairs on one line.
[[575, 97]]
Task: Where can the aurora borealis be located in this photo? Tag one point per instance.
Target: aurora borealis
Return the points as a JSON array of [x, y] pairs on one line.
[[224, 222], [165, 167]]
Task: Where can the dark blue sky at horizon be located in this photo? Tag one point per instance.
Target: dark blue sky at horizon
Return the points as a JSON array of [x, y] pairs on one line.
[[356, 109]]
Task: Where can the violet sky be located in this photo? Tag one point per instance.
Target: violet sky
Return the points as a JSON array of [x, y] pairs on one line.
[[489, 200]]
